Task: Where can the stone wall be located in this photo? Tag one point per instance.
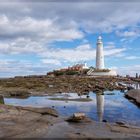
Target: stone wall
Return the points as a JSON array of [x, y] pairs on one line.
[[110, 73]]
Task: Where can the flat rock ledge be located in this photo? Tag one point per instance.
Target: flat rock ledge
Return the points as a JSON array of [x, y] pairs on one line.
[[42, 111], [20, 122], [29, 122], [134, 94]]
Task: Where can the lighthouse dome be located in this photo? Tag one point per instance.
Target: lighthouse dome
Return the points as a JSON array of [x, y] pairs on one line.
[[99, 38]]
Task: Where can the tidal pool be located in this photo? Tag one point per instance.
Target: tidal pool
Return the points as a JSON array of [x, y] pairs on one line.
[[111, 105]]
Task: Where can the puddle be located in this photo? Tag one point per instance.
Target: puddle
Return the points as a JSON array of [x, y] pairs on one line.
[[110, 106]]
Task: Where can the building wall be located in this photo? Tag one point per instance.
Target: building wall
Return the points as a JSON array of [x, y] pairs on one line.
[[110, 73]]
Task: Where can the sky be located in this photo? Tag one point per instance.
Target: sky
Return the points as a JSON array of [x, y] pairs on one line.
[[40, 36]]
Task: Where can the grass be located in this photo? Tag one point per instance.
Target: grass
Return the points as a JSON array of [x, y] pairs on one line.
[[1, 111]]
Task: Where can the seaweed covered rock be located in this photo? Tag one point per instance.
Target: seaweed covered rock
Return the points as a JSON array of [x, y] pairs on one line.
[[18, 93]]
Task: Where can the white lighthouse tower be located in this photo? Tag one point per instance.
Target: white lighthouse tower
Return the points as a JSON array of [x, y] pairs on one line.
[[100, 68], [99, 54]]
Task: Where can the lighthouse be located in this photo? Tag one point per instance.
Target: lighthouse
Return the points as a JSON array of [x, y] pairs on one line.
[[99, 54], [100, 68]]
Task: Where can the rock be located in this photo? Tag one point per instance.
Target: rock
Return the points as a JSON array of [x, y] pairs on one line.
[[97, 90], [99, 87], [78, 133], [43, 111], [104, 121], [120, 123], [19, 93], [129, 88], [110, 93], [134, 94], [78, 117], [88, 96], [89, 86]]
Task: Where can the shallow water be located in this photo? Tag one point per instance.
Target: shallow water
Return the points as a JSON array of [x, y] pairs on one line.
[[102, 107]]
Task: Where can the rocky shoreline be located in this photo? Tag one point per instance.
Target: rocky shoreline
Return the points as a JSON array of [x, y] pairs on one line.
[[28, 86], [28, 122]]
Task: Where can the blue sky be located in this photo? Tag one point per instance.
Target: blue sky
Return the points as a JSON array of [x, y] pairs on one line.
[[37, 37]]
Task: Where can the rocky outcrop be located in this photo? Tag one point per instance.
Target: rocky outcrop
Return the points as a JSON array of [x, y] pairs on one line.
[[78, 117], [134, 94], [81, 84], [25, 122], [18, 122], [42, 111], [18, 93]]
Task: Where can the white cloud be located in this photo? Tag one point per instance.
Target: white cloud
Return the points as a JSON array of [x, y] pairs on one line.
[[132, 57], [10, 68], [51, 61], [83, 52], [109, 45], [71, 55], [114, 52], [121, 55], [80, 53], [83, 47], [129, 34], [45, 30], [126, 33], [21, 46], [115, 16], [128, 70]]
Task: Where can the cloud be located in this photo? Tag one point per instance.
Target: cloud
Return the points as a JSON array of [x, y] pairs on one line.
[[21, 46], [127, 70], [83, 47], [50, 58], [114, 52], [132, 57], [126, 33], [11, 67], [109, 45], [51, 61], [129, 34], [86, 15], [38, 21], [79, 54], [44, 30]]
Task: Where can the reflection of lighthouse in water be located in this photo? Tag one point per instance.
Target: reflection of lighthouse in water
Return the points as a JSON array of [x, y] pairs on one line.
[[100, 106]]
